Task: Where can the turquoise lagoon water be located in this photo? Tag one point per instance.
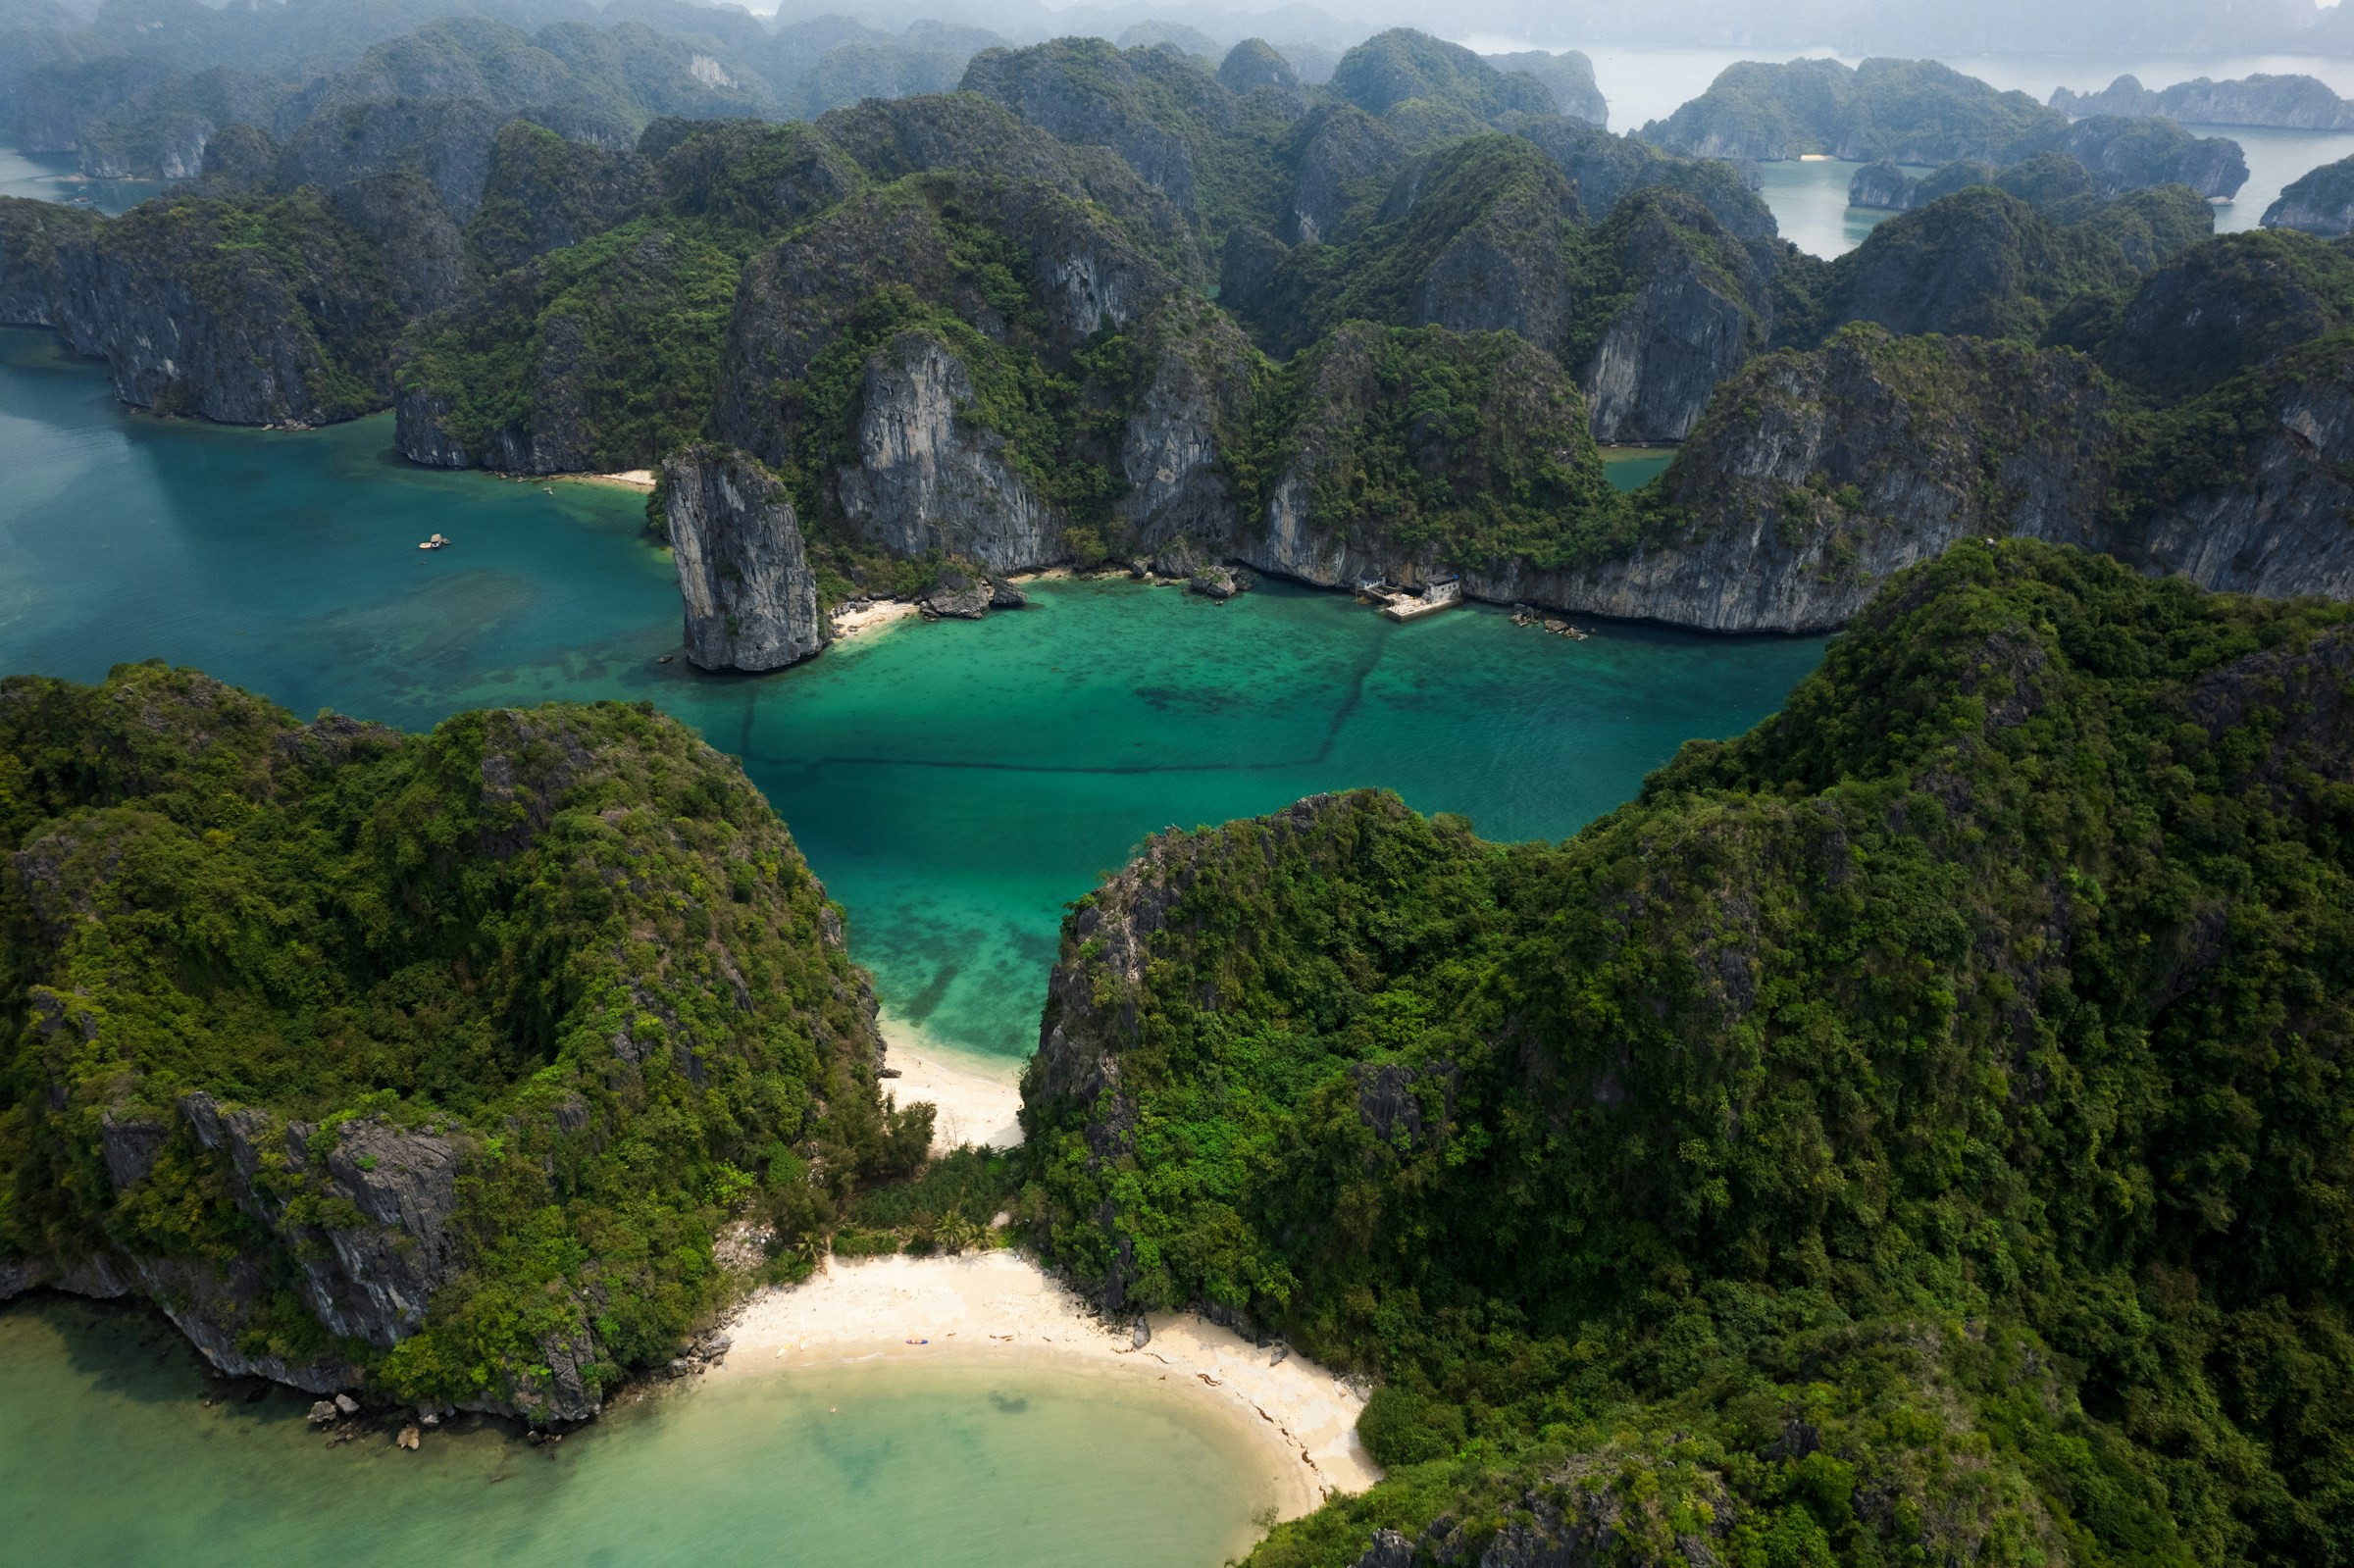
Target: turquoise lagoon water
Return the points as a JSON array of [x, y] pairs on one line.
[[1807, 198], [109, 1455], [1631, 467], [954, 785], [51, 176]]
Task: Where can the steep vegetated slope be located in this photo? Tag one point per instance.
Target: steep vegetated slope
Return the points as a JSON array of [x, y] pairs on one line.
[[1920, 112], [975, 333], [1914, 1132], [425, 1064], [2280, 102], [252, 311], [2318, 202]]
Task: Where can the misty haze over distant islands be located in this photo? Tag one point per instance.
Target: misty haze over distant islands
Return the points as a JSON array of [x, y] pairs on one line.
[[1916, 1131]]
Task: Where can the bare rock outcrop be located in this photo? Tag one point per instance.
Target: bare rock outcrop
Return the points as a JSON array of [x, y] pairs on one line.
[[929, 476], [743, 574]]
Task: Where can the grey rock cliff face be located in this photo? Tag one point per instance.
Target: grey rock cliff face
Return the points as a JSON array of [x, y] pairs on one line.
[[1828, 472], [743, 576], [1506, 272], [1690, 324], [423, 252], [2284, 529], [189, 323], [1835, 479], [1082, 91], [38, 240], [1661, 358], [2321, 202], [2286, 103], [930, 478], [1345, 149], [1177, 485], [368, 1277], [1883, 187]]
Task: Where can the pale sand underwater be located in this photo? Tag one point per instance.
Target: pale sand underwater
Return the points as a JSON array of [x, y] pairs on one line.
[[999, 1308]]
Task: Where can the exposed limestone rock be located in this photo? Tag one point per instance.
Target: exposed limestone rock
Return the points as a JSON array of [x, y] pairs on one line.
[[2321, 202], [542, 194], [2283, 102], [958, 598], [928, 479], [1083, 90], [1215, 583], [1170, 453], [40, 241], [1662, 356], [1816, 477], [750, 598], [2281, 528], [1252, 65], [1883, 187], [130, 1145], [191, 320]]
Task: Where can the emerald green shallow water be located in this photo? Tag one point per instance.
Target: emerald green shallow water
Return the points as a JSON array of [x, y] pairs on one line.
[[954, 785], [108, 1455]]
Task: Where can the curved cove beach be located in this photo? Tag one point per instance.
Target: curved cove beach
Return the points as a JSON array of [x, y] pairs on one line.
[[955, 785], [996, 1309], [946, 1462]]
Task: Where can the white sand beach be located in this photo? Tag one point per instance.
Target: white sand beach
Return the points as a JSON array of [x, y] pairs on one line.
[[848, 624], [641, 479], [978, 1101], [999, 1308]]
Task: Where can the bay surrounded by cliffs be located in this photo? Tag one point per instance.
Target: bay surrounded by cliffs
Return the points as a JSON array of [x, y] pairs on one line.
[[954, 785]]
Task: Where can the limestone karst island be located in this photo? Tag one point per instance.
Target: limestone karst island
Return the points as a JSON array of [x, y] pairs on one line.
[[1051, 783]]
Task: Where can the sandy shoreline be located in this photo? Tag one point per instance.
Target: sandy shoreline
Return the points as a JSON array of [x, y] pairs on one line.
[[1000, 1308], [848, 624], [980, 1100], [641, 479]]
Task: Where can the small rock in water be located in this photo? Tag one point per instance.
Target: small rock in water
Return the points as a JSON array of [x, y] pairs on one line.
[[347, 1404], [409, 1439], [1215, 583], [323, 1412], [957, 598]]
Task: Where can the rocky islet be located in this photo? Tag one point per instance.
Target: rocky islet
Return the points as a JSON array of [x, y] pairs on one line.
[[928, 377]]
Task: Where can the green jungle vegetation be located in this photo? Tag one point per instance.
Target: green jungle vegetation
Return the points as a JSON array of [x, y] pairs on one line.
[[623, 331], [1405, 66], [1482, 182], [1916, 1131], [287, 258], [1219, 156], [1907, 111], [2328, 189], [573, 944], [1466, 448], [601, 321]]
